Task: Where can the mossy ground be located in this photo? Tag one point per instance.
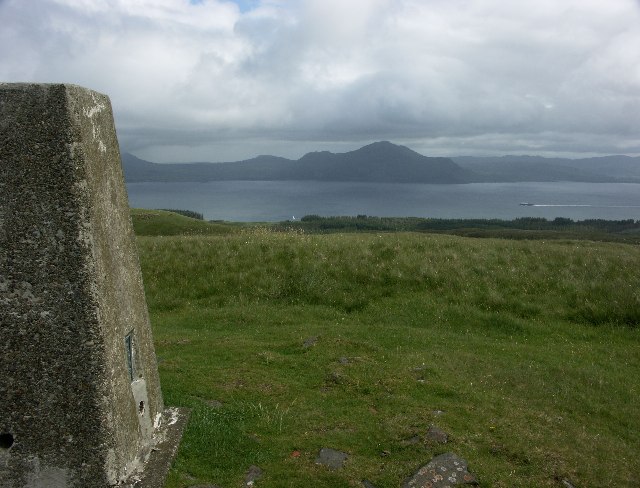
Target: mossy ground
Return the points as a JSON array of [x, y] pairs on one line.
[[528, 348]]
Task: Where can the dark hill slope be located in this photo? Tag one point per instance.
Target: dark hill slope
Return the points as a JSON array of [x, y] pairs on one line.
[[381, 162], [378, 162], [259, 168], [390, 163], [536, 168], [618, 166]]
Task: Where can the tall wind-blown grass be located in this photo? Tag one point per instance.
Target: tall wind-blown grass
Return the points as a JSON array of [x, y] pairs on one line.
[[525, 352]]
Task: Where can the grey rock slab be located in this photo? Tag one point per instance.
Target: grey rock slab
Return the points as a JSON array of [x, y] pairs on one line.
[[442, 471], [253, 475], [331, 458]]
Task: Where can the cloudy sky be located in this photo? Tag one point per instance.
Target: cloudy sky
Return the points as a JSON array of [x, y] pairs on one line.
[[214, 80]]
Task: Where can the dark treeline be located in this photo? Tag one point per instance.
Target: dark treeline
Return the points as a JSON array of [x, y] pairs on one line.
[[519, 228]]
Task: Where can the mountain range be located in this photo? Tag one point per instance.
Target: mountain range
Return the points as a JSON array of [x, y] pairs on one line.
[[391, 163]]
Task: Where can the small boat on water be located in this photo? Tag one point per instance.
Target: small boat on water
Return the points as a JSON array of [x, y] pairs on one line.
[[527, 204]]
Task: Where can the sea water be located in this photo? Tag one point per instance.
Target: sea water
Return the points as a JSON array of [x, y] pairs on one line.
[[272, 201]]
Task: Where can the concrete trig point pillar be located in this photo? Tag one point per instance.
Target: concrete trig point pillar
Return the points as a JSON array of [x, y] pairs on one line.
[[80, 400]]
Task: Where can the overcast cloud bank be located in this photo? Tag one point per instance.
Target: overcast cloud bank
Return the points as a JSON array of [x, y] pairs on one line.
[[222, 81]]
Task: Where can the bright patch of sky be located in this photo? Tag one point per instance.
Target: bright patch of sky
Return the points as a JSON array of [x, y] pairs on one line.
[[246, 5], [222, 80]]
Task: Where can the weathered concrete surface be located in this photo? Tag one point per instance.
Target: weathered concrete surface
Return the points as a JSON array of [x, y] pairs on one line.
[[70, 292], [174, 421]]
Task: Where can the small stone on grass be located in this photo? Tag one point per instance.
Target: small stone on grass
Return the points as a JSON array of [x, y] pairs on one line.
[[310, 342], [331, 458], [254, 474]]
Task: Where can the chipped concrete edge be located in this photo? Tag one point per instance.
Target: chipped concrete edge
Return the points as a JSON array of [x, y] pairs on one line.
[[154, 473]]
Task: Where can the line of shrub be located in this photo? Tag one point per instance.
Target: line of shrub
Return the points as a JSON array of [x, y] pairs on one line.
[[560, 227]]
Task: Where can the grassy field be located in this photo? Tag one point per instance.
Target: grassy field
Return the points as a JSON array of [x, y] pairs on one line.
[[525, 352], [165, 223]]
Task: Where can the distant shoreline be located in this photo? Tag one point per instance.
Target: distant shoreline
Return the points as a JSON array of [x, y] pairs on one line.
[[273, 201]]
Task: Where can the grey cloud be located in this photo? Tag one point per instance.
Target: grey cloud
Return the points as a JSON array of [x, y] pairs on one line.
[[446, 76]]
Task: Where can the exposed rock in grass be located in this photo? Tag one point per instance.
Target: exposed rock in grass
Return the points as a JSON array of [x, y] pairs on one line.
[[310, 342], [437, 435], [344, 360], [331, 458], [442, 471], [214, 403], [411, 441], [567, 484], [254, 474], [368, 484], [335, 378]]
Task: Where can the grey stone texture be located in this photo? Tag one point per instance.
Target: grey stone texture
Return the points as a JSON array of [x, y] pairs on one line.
[[253, 474], [168, 436], [310, 342], [443, 471], [79, 401], [331, 458]]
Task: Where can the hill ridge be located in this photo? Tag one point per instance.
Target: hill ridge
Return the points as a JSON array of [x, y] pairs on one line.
[[377, 162], [386, 162]]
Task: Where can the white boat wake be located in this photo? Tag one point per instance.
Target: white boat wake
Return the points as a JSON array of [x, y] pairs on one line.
[[570, 205]]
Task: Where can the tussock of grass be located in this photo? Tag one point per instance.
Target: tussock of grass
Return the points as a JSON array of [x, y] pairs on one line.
[[528, 347]]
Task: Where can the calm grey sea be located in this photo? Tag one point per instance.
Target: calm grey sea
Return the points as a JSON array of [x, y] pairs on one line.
[[269, 201]]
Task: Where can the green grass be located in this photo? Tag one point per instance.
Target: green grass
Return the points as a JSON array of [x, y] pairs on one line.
[[529, 348], [167, 223]]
